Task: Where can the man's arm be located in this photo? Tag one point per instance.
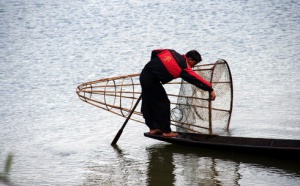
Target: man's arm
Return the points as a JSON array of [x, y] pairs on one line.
[[192, 77]]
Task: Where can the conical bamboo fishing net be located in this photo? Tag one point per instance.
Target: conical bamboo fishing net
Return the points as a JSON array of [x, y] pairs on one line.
[[192, 110]]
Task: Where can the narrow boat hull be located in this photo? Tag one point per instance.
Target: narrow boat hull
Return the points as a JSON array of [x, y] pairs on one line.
[[263, 146]]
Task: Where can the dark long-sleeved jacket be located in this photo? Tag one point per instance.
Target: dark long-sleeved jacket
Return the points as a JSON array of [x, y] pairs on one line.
[[167, 64]]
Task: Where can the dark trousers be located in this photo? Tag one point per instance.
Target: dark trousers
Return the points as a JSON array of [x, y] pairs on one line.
[[155, 102]]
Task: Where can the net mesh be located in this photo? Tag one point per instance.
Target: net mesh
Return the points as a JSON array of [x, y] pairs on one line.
[[192, 110]]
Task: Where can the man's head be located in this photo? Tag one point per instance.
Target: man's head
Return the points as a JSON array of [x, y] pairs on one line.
[[193, 57]]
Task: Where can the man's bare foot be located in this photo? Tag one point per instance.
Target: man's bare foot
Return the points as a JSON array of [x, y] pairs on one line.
[[170, 134], [155, 132]]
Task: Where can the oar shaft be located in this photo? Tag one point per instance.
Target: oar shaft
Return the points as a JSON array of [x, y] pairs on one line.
[[123, 126]]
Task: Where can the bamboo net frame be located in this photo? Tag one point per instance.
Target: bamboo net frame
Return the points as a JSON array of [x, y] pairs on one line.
[[192, 110]]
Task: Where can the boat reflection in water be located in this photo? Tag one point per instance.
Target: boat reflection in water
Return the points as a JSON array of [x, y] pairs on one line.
[[172, 165], [191, 166], [168, 164]]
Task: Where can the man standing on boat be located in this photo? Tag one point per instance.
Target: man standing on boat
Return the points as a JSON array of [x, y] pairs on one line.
[[164, 66]]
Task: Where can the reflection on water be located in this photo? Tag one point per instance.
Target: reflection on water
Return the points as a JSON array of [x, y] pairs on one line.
[[177, 165], [160, 167], [189, 168], [120, 169]]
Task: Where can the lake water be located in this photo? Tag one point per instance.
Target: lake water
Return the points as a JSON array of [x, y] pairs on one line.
[[47, 48]]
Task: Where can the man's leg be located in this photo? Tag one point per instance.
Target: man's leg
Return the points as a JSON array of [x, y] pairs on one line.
[[146, 80]]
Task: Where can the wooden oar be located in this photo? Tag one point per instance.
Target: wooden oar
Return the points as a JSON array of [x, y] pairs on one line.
[[123, 126]]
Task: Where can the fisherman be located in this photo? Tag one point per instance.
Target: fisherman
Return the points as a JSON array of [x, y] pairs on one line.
[[164, 66]]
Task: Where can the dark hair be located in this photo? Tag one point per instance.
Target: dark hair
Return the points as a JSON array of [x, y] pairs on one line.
[[195, 55]]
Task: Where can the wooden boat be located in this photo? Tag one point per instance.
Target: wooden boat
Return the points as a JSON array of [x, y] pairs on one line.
[[263, 146]]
